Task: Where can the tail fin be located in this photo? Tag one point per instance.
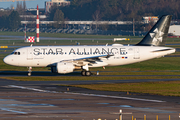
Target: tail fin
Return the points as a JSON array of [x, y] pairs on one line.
[[158, 34]]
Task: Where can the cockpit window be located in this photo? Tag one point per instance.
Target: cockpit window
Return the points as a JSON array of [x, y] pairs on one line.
[[16, 53]]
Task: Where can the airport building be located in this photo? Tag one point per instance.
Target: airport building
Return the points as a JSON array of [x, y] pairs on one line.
[[148, 19], [49, 4]]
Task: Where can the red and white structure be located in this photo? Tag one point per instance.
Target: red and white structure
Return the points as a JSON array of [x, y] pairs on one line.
[[25, 33], [31, 39], [37, 25]]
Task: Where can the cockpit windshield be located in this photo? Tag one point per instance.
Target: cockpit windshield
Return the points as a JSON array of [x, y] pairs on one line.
[[16, 53]]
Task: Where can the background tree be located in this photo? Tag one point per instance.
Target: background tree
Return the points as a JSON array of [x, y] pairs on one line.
[[14, 20], [52, 12], [4, 21], [24, 6], [21, 7], [120, 9], [58, 17], [96, 17]]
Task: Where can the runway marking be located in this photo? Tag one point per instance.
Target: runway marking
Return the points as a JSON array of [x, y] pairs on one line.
[[36, 116], [94, 95], [34, 89], [117, 97], [10, 110]]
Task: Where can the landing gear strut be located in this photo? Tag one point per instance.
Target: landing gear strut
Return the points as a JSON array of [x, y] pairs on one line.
[[29, 71], [85, 71]]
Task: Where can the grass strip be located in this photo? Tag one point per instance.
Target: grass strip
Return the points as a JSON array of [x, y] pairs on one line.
[[84, 78], [167, 88]]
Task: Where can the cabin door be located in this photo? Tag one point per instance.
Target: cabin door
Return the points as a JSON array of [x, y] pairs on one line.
[[29, 54], [136, 53]]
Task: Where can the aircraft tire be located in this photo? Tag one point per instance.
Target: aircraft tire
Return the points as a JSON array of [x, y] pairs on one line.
[[88, 73], [29, 74], [83, 73]]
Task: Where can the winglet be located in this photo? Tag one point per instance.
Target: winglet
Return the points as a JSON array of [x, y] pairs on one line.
[[158, 34]]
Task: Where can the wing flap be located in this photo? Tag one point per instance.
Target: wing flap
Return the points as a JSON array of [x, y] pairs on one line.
[[89, 60]]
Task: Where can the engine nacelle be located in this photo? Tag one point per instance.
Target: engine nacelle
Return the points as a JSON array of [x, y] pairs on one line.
[[65, 67]]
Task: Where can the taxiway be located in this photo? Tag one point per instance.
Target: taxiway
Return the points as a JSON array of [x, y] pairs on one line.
[[50, 100]]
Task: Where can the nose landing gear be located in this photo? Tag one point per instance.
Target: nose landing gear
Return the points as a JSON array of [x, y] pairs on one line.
[[29, 71]]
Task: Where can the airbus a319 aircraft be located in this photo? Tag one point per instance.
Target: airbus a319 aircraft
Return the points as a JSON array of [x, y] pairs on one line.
[[66, 59]]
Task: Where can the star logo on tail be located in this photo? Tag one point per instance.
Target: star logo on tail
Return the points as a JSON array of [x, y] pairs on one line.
[[157, 36]]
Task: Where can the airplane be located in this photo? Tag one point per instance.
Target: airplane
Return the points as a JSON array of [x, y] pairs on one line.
[[66, 59]]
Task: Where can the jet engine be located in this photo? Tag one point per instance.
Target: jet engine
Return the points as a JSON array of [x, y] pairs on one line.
[[64, 67]]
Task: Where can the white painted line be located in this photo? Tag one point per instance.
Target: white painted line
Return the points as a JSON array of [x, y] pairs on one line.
[[118, 97], [38, 90], [10, 110], [95, 95]]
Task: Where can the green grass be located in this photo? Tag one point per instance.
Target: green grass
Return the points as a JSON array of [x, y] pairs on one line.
[[170, 88], [82, 78]]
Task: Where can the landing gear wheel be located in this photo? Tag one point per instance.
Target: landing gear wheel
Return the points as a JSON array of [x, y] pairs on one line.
[[29, 71], [88, 73], [83, 73], [29, 74]]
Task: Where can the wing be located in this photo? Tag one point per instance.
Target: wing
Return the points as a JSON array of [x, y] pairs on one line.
[[90, 61]]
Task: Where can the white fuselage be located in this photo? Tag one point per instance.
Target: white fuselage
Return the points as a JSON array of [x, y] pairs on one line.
[[43, 56]]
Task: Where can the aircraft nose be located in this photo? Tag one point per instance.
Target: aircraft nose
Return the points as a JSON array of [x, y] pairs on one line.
[[7, 60]]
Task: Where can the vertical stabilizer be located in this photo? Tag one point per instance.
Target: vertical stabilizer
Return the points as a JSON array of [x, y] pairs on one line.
[[158, 34]]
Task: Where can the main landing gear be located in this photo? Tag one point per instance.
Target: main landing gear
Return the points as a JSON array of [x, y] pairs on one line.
[[29, 71], [86, 73]]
